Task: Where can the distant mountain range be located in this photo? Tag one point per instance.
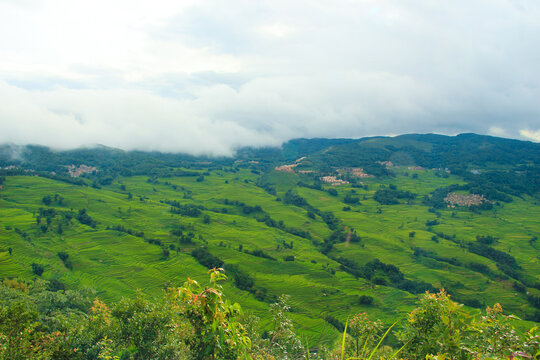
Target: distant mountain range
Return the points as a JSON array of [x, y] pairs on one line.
[[512, 163]]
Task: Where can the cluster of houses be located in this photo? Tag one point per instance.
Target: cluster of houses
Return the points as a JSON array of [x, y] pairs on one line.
[[332, 180], [286, 168], [454, 199], [290, 168], [75, 171], [358, 172]]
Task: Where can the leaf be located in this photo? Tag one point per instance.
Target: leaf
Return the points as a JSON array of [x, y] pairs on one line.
[[343, 340]]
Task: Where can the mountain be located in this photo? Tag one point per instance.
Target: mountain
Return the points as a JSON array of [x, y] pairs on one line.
[[341, 225]]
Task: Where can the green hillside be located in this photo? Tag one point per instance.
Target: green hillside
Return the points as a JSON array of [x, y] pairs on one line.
[[371, 244]]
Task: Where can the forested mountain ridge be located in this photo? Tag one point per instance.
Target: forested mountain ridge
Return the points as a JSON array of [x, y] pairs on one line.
[[427, 150]]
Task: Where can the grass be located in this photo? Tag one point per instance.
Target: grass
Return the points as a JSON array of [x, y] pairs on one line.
[[116, 264]]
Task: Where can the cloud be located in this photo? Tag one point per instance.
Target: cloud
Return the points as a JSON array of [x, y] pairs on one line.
[[531, 135], [209, 77]]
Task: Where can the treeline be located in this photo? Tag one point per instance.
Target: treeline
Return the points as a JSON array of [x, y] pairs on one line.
[[504, 261], [432, 255], [50, 213], [328, 217], [242, 279], [246, 209], [391, 195], [85, 219], [190, 210], [122, 228], [339, 236], [380, 273], [63, 218], [259, 253], [264, 217]]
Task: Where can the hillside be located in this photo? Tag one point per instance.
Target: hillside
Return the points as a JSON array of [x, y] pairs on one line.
[[411, 213]]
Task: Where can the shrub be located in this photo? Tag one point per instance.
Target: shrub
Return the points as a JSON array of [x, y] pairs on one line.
[[349, 199], [365, 300], [64, 256], [85, 219], [216, 332], [363, 333], [37, 269], [332, 192]]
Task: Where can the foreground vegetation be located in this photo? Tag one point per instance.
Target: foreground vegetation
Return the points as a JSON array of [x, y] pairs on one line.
[[40, 321]]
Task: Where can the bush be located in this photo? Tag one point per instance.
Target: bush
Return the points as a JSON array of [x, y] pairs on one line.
[[349, 199], [85, 219], [332, 192], [391, 196], [37, 269], [294, 199], [365, 300], [216, 332], [205, 258], [64, 256], [47, 200], [335, 323]]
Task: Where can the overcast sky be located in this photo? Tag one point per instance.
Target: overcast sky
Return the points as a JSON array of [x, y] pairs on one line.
[[206, 77]]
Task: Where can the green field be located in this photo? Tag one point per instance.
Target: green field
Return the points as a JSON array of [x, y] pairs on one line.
[[116, 263]]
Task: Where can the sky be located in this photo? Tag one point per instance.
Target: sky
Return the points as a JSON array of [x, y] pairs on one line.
[[208, 77]]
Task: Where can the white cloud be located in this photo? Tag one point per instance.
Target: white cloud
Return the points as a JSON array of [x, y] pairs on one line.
[[531, 135], [207, 77], [498, 131], [277, 30]]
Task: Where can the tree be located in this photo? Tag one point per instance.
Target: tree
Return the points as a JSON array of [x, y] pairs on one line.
[[350, 199], [364, 333], [150, 329], [37, 269], [64, 256], [216, 332], [284, 344], [47, 200], [435, 327], [493, 336]]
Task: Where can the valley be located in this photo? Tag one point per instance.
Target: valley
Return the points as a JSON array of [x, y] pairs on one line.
[[369, 244]]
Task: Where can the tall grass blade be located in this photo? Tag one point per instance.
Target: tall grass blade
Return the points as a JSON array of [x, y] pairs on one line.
[[307, 349], [365, 345], [380, 341], [399, 350], [343, 340]]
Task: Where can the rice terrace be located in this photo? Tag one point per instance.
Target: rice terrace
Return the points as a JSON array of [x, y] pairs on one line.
[[140, 223]]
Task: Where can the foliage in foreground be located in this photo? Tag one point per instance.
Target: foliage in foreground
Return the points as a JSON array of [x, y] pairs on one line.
[[39, 321]]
